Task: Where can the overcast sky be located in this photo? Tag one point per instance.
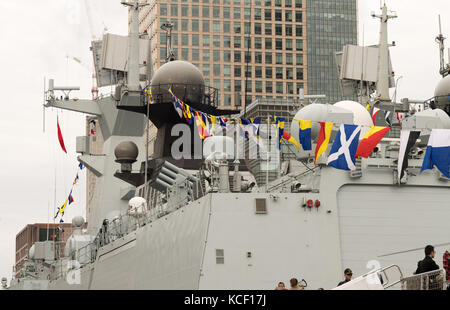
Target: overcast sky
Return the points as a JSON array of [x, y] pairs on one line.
[[36, 36]]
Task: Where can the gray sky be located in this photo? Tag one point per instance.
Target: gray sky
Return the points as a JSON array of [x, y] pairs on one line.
[[35, 38]]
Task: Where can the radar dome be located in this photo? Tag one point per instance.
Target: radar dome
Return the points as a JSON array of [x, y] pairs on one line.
[[318, 113], [442, 91], [185, 80], [78, 222], [436, 118], [126, 152], [360, 115]]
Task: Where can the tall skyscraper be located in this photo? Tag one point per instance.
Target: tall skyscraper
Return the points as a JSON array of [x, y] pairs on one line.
[[258, 48], [330, 25]]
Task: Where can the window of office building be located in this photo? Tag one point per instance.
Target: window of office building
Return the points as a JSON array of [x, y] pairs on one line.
[[258, 57], [257, 28], [269, 87], [237, 13], [288, 30], [288, 3], [279, 73], [258, 72], [267, 2], [237, 42], [184, 39], [195, 54], [278, 29], [205, 26], [227, 100], [290, 88], [216, 26], [184, 10], [298, 3], [299, 59], [163, 9], [248, 57], [237, 56], [237, 27], [257, 14], [299, 30], [288, 44], [217, 83], [237, 85], [226, 12], [267, 14], [227, 85], [206, 70], [216, 41], [194, 25], [205, 55], [268, 72], [268, 43], [279, 44], [194, 11], [289, 59], [298, 16], [268, 59], [299, 73], [195, 40], [258, 86], [289, 74], [268, 29], [185, 53], [226, 70], [288, 15], [174, 10], [279, 58], [299, 45], [278, 15], [227, 41], [184, 25], [247, 28], [226, 56], [216, 70], [216, 55], [216, 11], [258, 44], [247, 13], [237, 71], [279, 87], [205, 11], [205, 40]]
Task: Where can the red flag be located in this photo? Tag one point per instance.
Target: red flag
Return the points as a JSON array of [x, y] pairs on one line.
[[93, 132], [60, 137]]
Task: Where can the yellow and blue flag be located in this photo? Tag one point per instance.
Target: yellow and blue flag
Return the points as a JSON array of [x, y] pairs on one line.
[[305, 134]]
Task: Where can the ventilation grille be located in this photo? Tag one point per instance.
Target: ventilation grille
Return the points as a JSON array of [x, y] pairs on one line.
[[261, 206], [357, 173], [220, 256]]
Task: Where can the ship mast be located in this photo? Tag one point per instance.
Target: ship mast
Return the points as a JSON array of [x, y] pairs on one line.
[[383, 76], [444, 69]]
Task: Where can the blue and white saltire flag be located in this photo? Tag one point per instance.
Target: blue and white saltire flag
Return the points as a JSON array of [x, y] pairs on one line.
[[342, 154], [438, 152]]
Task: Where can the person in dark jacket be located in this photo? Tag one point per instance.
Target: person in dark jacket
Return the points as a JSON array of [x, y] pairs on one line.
[[427, 264], [347, 275]]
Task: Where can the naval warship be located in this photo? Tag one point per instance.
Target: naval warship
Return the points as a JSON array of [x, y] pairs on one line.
[[216, 220]]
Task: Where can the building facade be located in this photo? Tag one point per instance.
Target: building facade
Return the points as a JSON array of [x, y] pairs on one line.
[[33, 233], [253, 47], [250, 49], [330, 25]]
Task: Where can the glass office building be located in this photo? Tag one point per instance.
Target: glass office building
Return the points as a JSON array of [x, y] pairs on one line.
[[330, 25]]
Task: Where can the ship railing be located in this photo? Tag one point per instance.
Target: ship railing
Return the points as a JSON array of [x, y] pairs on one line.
[[428, 281]]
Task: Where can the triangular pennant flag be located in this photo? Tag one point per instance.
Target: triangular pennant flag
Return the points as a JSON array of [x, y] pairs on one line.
[[371, 140], [60, 137]]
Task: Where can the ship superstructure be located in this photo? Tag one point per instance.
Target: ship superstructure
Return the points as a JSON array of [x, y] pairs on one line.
[[206, 223]]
